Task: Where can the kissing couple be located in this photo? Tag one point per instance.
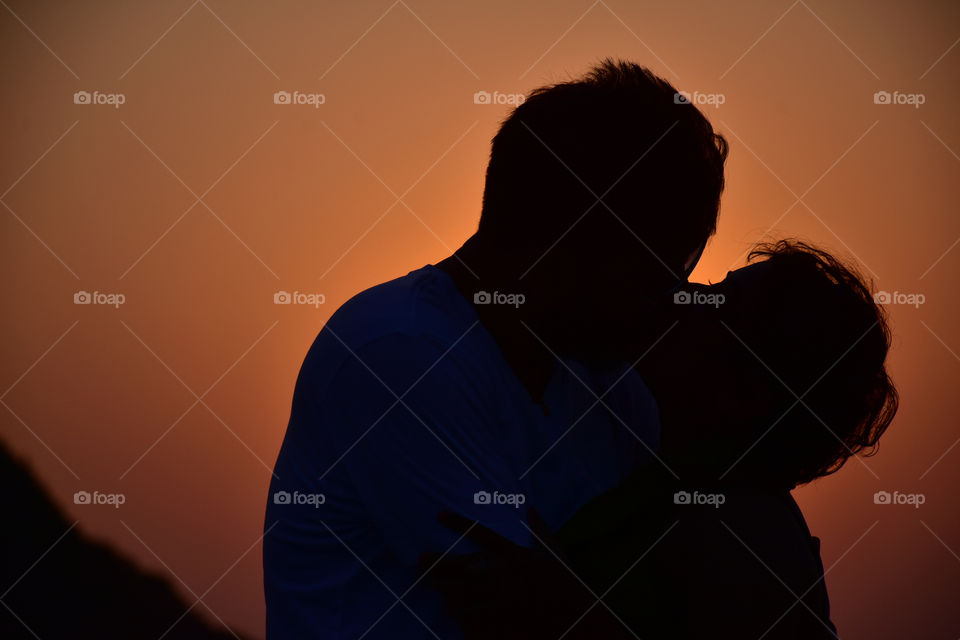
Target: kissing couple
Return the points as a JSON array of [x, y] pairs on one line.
[[553, 433]]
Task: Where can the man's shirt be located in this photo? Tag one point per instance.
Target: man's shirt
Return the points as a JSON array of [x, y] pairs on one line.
[[404, 407]]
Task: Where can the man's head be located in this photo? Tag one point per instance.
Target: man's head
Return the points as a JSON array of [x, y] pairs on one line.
[[618, 134], [778, 369]]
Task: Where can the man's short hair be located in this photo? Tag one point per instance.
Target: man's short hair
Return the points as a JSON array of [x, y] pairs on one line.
[[621, 133]]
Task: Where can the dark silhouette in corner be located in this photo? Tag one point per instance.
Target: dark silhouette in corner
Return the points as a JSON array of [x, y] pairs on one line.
[[80, 588]]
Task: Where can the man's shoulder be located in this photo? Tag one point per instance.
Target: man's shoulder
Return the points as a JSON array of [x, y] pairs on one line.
[[397, 323], [404, 305]]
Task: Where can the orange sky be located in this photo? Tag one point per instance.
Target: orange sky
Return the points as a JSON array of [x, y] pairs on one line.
[[198, 198]]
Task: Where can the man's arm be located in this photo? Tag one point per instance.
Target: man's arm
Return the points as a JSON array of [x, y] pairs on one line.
[[417, 433], [399, 431]]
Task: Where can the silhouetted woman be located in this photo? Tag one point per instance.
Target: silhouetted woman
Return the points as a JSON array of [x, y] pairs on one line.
[[767, 380]]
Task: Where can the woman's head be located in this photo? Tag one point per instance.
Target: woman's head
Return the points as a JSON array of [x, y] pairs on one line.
[[779, 369]]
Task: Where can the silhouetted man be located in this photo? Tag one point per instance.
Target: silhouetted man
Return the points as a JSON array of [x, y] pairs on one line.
[[501, 376]]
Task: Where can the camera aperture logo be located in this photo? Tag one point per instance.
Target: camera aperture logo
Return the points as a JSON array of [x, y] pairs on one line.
[[512, 499], [698, 498], [886, 297], [486, 97], [912, 99], [99, 297], [698, 297], [299, 97], [298, 297], [715, 100], [512, 299], [98, 97], [298, 498], [98, 498], [913, 499]]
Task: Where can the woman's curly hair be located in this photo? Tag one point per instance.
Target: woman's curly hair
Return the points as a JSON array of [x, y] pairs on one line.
[[818, 343]]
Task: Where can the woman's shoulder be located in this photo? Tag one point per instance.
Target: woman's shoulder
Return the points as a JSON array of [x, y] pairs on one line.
[[723, 525], [745, 556]]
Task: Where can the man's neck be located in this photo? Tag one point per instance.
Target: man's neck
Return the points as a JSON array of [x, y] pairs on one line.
[[471, 271]]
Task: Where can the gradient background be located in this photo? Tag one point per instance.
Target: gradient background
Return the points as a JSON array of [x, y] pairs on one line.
[[199, 198]]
